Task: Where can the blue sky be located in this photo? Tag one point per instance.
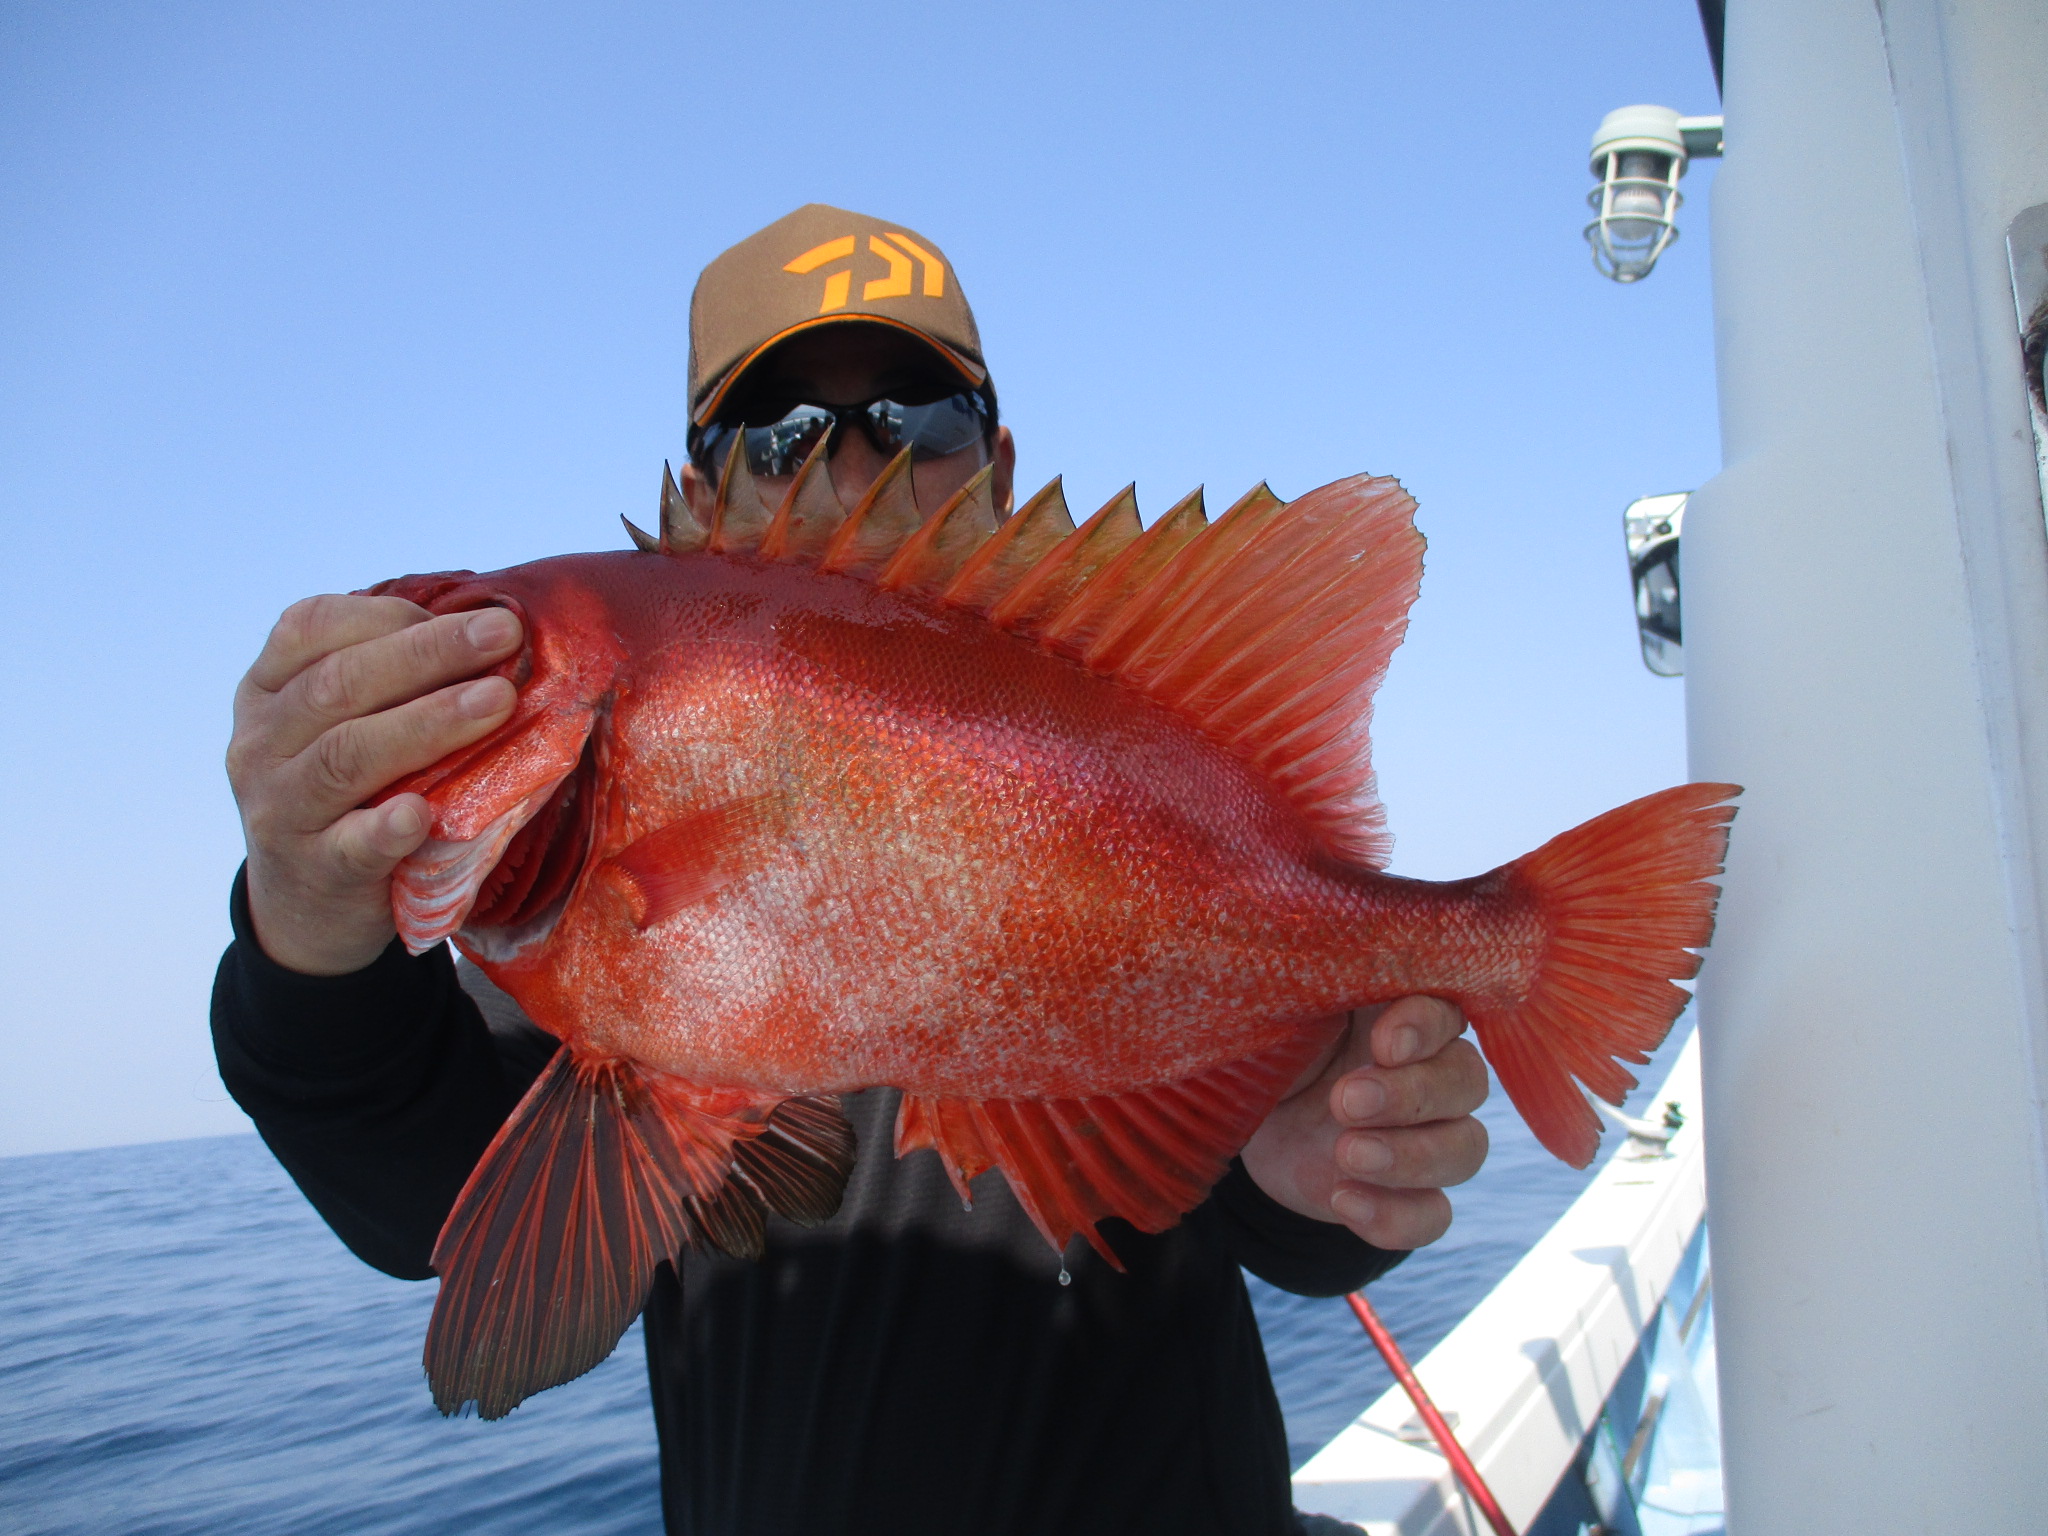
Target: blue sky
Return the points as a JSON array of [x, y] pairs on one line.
[[296, 297]]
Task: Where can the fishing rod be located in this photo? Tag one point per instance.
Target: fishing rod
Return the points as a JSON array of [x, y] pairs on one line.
[[1447, 1441]]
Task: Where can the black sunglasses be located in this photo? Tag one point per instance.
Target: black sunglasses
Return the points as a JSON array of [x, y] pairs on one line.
[[779, 445]]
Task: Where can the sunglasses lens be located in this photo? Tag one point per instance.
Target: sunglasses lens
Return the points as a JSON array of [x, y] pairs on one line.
[[930, 431], [711, 446], [781, 447]]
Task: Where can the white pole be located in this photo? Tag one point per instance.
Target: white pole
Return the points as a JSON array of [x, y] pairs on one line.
[[1866, 635]]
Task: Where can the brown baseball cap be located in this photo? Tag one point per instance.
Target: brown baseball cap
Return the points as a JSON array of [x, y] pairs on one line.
[[822, 266]]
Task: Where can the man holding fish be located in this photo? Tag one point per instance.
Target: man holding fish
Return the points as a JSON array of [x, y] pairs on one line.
[[907, 1364]]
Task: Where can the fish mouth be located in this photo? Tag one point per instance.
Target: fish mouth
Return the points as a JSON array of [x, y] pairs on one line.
[[523, 897]]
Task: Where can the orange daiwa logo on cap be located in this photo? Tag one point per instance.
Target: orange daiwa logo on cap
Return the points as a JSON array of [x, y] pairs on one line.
[[823, 266], [839, 285]]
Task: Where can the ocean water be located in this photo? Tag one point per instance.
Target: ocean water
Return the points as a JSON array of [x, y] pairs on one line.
[[185, 1350]]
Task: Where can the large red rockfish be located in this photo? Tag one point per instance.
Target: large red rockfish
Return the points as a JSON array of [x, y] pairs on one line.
[[1069, 834]]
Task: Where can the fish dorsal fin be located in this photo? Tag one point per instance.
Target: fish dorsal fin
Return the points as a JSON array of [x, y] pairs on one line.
[[1045, 589], [1272, 631], [1147, 623], [738, 515], [681, 532], [810, 512], [1269, 630], [643, 541], [1032, 533], [1075, 627], [933, 555], [878, 525]]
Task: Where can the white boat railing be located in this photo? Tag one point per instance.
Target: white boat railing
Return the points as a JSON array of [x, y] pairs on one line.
[[1526, 1376]]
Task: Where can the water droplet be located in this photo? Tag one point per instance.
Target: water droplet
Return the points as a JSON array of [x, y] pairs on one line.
[[1065, 1278]]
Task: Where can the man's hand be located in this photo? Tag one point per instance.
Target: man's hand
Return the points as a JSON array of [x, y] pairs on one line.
[[350, 694], [1374, 1133]]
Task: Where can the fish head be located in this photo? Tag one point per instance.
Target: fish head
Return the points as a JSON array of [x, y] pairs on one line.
[[512, 814]]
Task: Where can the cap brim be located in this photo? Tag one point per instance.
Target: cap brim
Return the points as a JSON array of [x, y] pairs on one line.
[[968, 368]]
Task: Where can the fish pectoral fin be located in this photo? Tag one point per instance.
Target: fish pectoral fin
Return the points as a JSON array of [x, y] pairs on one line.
[[606, 1169], [1149, 1156], [697, 856]]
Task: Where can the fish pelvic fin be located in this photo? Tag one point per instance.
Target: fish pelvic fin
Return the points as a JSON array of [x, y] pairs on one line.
[[1620, 905], [1149, 1156], [604, 1171]]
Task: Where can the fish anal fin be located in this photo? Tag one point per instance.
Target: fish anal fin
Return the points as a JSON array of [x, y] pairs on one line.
[[603, 1171], [810, 513], [884, 518], [695, 857], [682, 533], [930, 557], [946, 1127], [1147, 1156], [1042, 591]]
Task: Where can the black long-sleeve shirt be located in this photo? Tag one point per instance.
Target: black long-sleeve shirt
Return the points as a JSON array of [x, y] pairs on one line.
[[908, 1367]]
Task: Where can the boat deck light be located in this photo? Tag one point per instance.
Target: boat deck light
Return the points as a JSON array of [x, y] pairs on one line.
[[1639, 154]]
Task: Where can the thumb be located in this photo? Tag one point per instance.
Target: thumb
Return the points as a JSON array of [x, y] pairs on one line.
[[368, 844]]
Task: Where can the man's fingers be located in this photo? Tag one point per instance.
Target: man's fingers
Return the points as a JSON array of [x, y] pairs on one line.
[[367, 845], [354, 760], [1440, 1087], [1394, 1219], [387, 670], [316, 626], [1413, 1028], [1431, 1156]]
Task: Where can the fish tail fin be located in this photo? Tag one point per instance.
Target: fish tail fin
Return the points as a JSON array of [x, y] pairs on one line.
[[1623, 901], [603, 1171]]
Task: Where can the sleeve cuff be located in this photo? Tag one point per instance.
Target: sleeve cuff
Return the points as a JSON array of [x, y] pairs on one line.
[[1295, 1252], [325, 1026]]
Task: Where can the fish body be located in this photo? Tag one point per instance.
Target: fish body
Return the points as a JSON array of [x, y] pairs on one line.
[[925, 899], [1069, 834]]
